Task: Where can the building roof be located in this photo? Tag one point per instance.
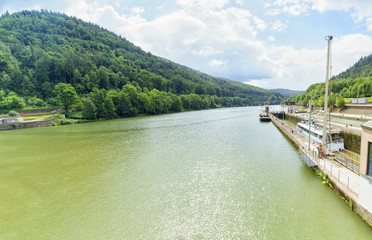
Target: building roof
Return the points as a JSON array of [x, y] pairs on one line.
[[367, 125]]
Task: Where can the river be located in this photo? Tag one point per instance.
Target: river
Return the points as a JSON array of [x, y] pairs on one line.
[[214, 174]]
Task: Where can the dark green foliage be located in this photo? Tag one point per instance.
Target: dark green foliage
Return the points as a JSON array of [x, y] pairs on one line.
[[89, 109], [131, 101], [39, 50], [98, 97], [109, 112]]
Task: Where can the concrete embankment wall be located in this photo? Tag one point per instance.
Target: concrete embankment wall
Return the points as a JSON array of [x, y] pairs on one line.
[[351, 141], [32, 124], [359, 109], [293, 118], [340, 188]]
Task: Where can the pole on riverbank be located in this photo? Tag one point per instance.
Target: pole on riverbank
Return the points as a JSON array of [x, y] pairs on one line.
[[324, 139], [310, 120]]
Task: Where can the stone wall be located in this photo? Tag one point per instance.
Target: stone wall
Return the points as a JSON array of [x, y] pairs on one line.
[[32, 124]]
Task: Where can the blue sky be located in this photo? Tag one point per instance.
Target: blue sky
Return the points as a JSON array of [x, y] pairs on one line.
[[268, 43]]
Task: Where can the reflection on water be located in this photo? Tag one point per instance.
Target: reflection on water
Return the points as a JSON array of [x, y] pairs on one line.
[[216, 174]]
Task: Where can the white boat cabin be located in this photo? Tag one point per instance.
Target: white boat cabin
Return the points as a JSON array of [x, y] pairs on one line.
[[334, 140]]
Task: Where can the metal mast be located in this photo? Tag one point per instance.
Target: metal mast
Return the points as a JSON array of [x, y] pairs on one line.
[[324, 139]]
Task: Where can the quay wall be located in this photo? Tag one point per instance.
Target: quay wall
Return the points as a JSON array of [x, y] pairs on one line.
[[340, 188], [32, 124], [292, 118], [351, 141]]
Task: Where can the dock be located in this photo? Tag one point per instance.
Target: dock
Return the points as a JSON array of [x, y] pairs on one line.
[[343, 180]]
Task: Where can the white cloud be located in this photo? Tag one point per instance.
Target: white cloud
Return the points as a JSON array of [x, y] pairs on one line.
[[138, 10], [298, 69], [369, 24], [240, 2], [361, 8], [217, 63], [186, 33], [81, 9], [279, 26], [292, 7], [205, 4], [207, 51], [258, 83], [271, 38]]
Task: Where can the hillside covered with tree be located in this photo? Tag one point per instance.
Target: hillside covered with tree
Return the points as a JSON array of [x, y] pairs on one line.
[[41, 49], [355, 82]]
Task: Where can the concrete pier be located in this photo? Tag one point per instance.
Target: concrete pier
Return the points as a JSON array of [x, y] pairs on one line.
[[344, 181]]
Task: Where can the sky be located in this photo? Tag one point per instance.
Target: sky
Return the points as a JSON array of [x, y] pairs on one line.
[[266, 43]]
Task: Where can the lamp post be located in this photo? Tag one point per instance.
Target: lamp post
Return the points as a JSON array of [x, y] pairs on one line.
[[311, 98], [324, 139]]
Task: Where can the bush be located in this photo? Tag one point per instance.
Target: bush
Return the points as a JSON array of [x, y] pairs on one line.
[[64, 121], [34, 101], [340, 102], [13, 114]]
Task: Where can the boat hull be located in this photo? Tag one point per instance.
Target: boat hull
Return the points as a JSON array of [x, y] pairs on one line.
[[265, 119]]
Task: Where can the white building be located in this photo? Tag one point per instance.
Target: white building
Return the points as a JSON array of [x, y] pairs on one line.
[[365, 194]]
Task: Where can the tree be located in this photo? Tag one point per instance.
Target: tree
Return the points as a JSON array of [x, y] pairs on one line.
[[89, 109], [340, 102], [321, 101], [146, 105], [332, 100], [124, 106], [109, 108], [66, 94], [177, 104], [12, 101], [98, 98]]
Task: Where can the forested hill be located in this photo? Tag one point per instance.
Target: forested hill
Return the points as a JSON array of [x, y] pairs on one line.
[[362, 68], [39, 49], [355, 82]]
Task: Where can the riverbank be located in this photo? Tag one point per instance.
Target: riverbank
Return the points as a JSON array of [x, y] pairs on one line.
[[344, 181]]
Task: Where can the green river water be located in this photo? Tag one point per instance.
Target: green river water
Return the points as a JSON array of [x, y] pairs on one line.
[[215, 174]]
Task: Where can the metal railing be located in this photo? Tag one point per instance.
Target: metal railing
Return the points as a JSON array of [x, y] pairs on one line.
[[341, 174], [348, 159]]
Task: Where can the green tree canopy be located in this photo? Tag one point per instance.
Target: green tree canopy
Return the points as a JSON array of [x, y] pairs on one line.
[[89, 109], [66, 94]]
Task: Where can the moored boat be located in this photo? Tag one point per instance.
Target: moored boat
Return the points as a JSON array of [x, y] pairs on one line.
[[334, 141], [264, 117]]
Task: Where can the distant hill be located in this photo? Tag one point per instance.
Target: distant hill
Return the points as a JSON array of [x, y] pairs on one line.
[[39, 49], [287, 92]]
